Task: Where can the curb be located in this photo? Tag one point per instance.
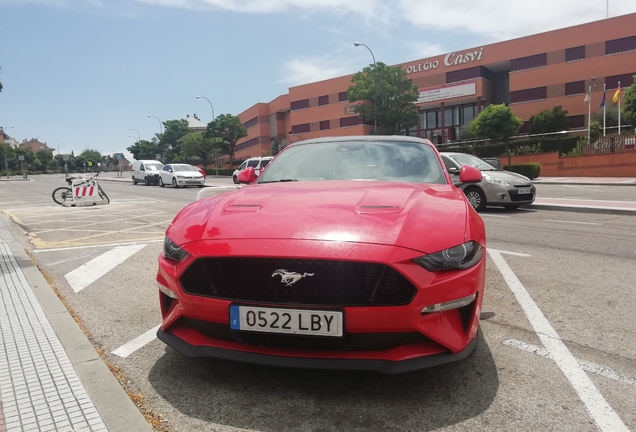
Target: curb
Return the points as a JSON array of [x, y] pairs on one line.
[[582, 184], [115, 407], [577, 209]]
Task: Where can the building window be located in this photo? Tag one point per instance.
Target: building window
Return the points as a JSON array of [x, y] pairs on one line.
[[574, 88], [432, 119], [577, 121], [626, 80], [251, 123], [469, 112], [323, 100], [527, 95], [531, 62], [301, 128], [350, 121], [343, 97], [576, 53], [469, 73], [448, 116], [299, 104], [325, 124], [422, 119], [247, 144], [620, 45]]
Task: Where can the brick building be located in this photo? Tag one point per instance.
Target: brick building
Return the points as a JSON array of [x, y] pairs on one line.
[[530, 74]]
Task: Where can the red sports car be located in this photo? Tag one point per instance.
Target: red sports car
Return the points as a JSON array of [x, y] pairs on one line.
[[345, 253]]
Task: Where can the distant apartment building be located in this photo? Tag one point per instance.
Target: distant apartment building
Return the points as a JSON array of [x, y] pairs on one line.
[[35, 145]]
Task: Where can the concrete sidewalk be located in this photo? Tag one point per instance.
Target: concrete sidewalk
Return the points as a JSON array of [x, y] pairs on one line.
[[591, 181], [51, 377]]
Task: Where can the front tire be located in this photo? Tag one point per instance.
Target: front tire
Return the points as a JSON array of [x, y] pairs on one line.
[[102, 194], [174, 183], [61, 194], [235, 179], [476, 198], [134, 181], [146, 181], [161, 183]]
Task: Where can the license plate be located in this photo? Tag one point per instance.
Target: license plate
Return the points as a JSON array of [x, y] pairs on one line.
[[289, 321], [523, 191]]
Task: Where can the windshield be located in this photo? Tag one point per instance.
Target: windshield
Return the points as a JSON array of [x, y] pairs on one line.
[[466, 159], [184, 168], [153, 167], [356, 160]]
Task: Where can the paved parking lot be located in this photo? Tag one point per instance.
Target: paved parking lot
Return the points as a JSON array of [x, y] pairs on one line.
[[557, 347]]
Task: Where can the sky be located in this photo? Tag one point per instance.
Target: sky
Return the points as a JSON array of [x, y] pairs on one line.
[[83, 73]]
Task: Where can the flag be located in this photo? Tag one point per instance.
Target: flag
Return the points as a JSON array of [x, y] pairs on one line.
[[617, 94], [603, 101], [588, 96]]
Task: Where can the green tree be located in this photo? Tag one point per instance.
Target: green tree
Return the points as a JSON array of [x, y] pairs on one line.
[[387, 97], [547, 121], [228, 129], [52, 165], [199, 146], [611, 114], [144, 149], [92, 156], [169, 145], [44, 156], [628, 105], [275, 148], [496, 123]]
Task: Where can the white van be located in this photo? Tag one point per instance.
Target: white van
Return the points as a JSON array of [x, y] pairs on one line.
[[258, 163], [146, 172]]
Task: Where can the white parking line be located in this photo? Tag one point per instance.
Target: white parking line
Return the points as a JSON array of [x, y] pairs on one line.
[[585, 365], [601, 412], [88, 273], [125, 350], [493, 215], [573, 222], [98, 245]]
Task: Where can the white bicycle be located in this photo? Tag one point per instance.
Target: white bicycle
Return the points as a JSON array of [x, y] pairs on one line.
[[83, 191]]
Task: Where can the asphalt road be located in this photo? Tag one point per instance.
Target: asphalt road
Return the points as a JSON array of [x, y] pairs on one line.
[[557, 348]]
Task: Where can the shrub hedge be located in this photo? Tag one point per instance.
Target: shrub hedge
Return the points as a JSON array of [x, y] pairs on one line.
[[222, 171], [530, 170], [530, 146]]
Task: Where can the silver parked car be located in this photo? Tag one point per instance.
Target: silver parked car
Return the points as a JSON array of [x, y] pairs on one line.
[[498, 188]]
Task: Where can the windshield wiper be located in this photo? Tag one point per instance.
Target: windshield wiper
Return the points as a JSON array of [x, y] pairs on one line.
[[279, 181]]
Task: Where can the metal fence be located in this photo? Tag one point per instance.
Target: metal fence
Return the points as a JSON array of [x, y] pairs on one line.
[[611, 144]]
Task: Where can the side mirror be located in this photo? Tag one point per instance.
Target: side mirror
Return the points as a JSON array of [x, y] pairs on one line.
[[453, 171], [469, 174], [170, 170], [247, 176]]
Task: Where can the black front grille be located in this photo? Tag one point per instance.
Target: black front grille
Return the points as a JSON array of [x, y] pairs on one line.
[[350, 342], [333, 283], [522, 197]]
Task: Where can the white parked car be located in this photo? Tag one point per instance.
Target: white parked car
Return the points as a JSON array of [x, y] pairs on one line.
[[179, 175], [258, 163]]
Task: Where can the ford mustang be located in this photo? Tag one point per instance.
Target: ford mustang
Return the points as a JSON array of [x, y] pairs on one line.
[[345, 253]]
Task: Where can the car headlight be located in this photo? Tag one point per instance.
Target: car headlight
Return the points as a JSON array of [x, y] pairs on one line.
[[180, 176], [172, 251], [460, 257], [496, 181]]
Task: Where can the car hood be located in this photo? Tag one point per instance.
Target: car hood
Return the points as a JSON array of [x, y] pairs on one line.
[[426, 218], [509, 176]]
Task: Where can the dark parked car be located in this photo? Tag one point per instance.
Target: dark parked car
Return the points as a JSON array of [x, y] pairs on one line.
[[494, 162]]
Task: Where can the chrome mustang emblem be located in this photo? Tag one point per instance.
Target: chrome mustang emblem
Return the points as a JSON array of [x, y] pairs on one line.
[[290, 278]]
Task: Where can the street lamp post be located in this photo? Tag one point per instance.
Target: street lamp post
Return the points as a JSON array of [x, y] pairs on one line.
[[211, 106], [138, 134], [6, 164], [160, 124], [375, 120]]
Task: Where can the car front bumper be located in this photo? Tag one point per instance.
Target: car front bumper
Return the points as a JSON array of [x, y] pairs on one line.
[[507, 196], [378, 365], [199, 325]]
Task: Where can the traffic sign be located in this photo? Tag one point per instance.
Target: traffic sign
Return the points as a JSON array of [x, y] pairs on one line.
[[90, 163], [158, 156], [119, 156], [20, 157], [65, 158]]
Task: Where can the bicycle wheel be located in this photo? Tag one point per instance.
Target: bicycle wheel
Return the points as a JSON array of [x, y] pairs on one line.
[[102, 194], [61, 194]]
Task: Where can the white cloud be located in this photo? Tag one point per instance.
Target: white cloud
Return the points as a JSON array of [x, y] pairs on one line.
[[423, 49], [302, 71], [503, 20]]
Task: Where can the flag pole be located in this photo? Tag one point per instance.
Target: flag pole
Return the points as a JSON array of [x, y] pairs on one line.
[[604, 90], [589, 113], [619, 108]]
